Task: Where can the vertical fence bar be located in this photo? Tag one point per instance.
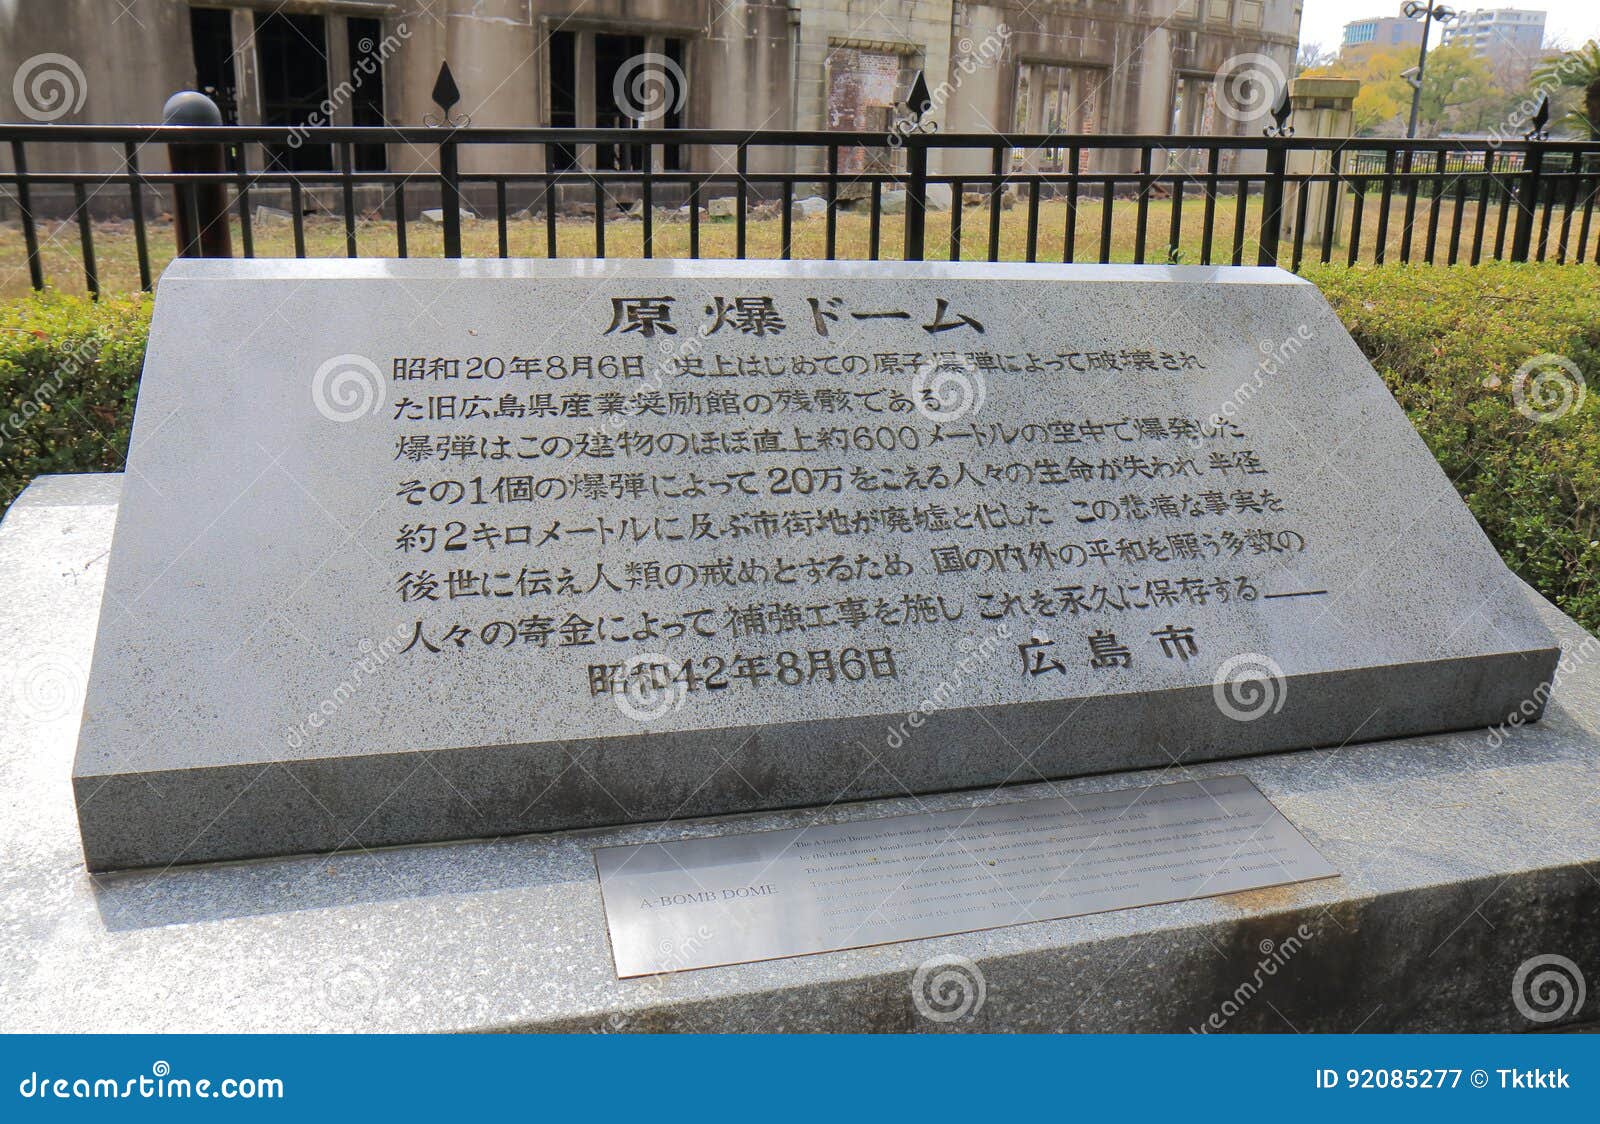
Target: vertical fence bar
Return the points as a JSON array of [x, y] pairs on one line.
[[502, 235], [298, 218], [1330, 204], [1455, 220], [347, 189], [1272, 201], [1482, 217], [130, 156], [241, 195], [1069, 236], [1504, 192], [1207, 234], [1302, 199], [1435, 192], [1033, 218], [786, 221], [599, 216], [1175, 229], [450, 197], [875, 221], [1142, 216], [647, 191], [80, 207], [1108, 201], [832, 196], [1241, 201], [997, 167], [1411, 186], [1527, 200], [1566, 214], [400, 218], [742, 194], [694, 218], [956, 194], [1588, 209], [1380, 245], [1549, 194], [916, 196], [551, 193], [1357, 202]]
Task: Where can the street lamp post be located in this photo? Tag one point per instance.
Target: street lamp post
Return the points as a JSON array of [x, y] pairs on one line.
[[1427, 11]]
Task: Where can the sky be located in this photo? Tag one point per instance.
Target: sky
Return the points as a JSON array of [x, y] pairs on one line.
[[1570, 22]]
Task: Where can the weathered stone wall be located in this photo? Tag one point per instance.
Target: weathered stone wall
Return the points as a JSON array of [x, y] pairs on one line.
[[762, 64]]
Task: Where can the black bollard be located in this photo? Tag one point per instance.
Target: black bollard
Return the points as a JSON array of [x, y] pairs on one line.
[[199, 211]]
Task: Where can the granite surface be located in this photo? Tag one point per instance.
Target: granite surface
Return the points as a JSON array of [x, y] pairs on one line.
[[1464, 856], [360, 596]]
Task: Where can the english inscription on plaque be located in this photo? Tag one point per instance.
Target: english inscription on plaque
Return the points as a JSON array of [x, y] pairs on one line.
[[695, 903], [425, 550]]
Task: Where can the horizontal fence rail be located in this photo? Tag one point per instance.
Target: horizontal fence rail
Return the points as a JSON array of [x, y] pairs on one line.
[[1033, 197]]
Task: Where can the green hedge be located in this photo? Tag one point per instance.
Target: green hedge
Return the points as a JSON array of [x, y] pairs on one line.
[[69, 371], [1448, 342]]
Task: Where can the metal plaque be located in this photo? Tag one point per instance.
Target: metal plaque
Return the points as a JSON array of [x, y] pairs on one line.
[[728, 899]]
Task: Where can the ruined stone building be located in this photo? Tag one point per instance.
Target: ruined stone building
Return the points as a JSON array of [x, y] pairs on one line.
[[1085, 66]]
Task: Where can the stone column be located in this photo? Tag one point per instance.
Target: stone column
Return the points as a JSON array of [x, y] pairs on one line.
[[1323, 107]]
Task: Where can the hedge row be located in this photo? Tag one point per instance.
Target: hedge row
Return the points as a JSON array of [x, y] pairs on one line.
[[1449, 342]]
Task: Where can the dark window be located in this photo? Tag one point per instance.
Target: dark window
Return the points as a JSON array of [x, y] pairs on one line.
[[211, 30], [671, 154], [611, 55], [620, 69], [366, 80], [563, 51], [292, 52]]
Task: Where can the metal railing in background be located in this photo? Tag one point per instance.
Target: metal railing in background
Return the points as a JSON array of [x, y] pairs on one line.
[[1457, 199]]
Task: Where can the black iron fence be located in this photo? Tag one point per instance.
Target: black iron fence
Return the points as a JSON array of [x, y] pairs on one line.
[[1201, 200]]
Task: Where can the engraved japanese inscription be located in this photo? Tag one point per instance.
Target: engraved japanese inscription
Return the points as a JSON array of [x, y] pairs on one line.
[[421, 550]]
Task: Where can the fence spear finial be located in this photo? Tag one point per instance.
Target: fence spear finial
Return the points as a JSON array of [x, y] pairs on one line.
[[445, 95]]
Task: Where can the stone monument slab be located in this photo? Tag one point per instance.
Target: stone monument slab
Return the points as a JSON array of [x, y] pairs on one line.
[[420, 550]]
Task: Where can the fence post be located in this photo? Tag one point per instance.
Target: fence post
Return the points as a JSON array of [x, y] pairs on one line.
[[1272, 200], [1323, 107], [450, 197], [916, 195], [1528, 189], [199, 211]]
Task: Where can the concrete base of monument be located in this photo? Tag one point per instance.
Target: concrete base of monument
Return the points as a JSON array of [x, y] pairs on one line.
[[1463, 857]]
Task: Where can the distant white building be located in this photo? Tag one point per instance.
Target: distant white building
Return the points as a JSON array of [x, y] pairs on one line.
[[1501, 35]]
